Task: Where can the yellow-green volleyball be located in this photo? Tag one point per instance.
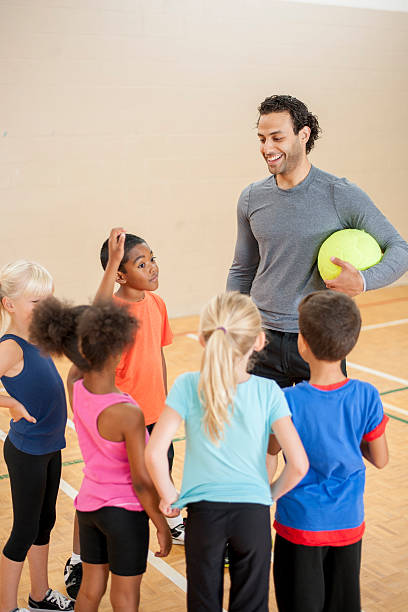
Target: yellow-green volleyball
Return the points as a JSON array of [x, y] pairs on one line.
[[352, 245]]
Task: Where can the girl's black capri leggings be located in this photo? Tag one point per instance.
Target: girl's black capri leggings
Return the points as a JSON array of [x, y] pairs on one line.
[[34, 481]]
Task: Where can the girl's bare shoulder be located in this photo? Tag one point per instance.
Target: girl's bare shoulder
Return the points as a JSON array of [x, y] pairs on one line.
[[120, 419], [11, 355]]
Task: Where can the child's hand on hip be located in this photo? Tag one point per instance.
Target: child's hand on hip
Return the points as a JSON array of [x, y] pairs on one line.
[[17, 412]]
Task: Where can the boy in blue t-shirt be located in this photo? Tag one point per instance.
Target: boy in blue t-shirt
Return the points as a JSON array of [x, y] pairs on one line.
[[320, 523]]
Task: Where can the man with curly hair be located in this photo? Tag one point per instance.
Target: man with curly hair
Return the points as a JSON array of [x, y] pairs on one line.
[[283, 220]]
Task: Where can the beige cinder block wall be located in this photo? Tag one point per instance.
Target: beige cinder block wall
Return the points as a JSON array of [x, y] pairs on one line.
[[142, 113]]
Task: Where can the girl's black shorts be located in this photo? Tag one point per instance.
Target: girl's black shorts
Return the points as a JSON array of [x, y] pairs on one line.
[[115, 536]]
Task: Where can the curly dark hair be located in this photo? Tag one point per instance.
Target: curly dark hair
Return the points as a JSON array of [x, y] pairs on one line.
[[330, 322], [87, 335], [130, 241], [53, 329], [299, 113], [105, 329]]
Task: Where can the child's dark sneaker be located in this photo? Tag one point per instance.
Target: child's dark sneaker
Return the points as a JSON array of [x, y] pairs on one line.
[[73, 578], [52, 601]]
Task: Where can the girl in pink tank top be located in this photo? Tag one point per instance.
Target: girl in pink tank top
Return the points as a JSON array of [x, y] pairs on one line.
[[117, 496], [107, 476]]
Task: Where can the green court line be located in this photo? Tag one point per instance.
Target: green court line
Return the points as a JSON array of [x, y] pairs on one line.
[[64, 463], [396, 418], [391, 415], [75, 461], [394, 390]]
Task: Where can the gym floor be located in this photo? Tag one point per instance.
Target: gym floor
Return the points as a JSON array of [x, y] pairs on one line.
[[380, 357]]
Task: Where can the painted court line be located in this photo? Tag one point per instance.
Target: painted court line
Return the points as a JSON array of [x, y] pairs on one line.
[[394, 391], [192, 336], [356, 366], [387, 324], [369, 370], [163, 567], [395, 408], [383, 302], [403, 381], [70, 491], [387, 377], [363, 328], [166, 569]]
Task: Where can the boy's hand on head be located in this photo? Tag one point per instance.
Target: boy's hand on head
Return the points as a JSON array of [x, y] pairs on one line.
[[349, 281], [165, 542], [116, 251], [116, 245], [18, 412]]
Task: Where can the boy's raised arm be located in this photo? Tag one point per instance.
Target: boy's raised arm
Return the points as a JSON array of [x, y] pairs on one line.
[[116, 252]]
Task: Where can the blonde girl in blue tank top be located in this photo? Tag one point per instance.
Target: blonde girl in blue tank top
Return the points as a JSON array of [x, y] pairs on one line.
[[228, 416], [32, 449]]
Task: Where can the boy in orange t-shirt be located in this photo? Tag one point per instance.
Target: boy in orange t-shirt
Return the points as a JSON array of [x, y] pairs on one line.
[[130, 262]]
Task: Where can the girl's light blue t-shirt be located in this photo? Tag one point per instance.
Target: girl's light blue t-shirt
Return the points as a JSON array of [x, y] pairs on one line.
[[234, 470]]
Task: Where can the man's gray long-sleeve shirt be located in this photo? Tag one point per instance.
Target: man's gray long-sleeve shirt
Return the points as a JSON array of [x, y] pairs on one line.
[[279, 235]]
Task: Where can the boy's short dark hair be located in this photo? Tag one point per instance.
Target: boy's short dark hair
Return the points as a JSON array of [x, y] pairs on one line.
[[130, 241], [299, 113], [330, 323]]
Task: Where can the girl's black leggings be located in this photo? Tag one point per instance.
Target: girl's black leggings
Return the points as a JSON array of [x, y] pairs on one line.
[[34, 481], [246, 528]]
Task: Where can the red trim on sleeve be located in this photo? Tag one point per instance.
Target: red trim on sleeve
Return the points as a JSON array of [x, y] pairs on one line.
[[338, 537], [378, 431], [333, 386]]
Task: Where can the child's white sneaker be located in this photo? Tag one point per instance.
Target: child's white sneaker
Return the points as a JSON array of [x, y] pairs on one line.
[[177, 533]]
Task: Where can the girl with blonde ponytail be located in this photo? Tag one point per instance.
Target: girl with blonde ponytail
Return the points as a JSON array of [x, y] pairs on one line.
[[229, 416], [229, 326], [32, 448]]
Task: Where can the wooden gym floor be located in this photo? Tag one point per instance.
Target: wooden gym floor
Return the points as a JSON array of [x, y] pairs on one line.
[[380, 357]]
